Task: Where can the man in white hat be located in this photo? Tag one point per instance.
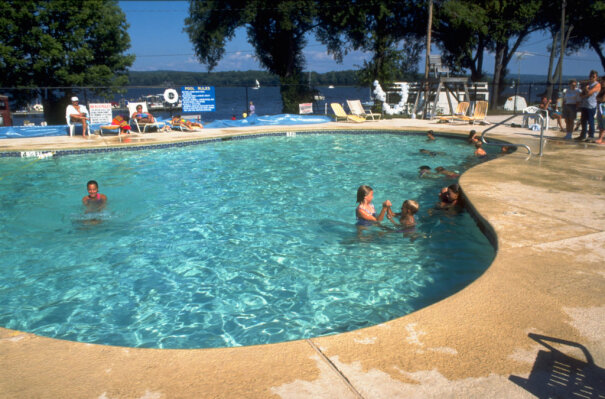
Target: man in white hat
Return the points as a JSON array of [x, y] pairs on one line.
[[78, 114]]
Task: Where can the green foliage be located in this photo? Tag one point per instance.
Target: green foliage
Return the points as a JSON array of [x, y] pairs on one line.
[[377, 27], [276, 30], [466, 28], [63, 43], [585, 18]]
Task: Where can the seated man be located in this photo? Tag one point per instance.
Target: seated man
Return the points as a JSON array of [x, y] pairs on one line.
[[78, 114], [545, 105]]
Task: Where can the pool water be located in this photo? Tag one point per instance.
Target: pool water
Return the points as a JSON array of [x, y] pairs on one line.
[[229, 243]]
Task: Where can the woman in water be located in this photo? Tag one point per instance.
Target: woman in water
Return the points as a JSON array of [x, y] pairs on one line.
[[365, 212]]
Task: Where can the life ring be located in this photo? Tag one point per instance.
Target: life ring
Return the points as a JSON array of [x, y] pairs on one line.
[[171, 96]]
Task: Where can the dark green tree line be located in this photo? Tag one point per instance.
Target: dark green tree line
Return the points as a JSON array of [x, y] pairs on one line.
[[62, 43]]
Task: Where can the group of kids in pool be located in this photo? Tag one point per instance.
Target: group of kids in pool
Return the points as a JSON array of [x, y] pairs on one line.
[[449, 197]]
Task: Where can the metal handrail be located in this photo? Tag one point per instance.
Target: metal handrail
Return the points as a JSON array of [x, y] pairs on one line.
[[529, 153]]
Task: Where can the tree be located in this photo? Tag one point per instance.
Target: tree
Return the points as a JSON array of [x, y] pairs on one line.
[[62, 44], [462, 33], [493, 25], [586, 18], [276, 29], [376, 27]]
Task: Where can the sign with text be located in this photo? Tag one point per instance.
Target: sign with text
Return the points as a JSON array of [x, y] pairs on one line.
[[100, 113], [305, 108], [198, 99]]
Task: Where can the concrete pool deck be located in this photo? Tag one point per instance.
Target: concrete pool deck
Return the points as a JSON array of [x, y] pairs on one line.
[[533, 324]]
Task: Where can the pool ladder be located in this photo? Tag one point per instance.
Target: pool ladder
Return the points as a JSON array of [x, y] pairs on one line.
[[539, 116]]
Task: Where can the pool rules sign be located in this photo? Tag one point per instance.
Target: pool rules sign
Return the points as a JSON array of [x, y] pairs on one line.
[[198, 99]]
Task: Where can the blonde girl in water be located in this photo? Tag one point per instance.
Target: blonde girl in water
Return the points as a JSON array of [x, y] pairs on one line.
[[365, 212]]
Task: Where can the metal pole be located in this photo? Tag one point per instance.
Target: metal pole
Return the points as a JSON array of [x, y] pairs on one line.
[[246, 106], [564, 4], [428, 53]]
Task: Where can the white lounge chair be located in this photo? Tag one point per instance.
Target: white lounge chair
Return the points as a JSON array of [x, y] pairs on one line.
[[132, 108], [357, 109], [340, 113]]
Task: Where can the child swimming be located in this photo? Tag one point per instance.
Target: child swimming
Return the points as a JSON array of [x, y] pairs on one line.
[[94, 201], [406, 216], [442, 171], [479, 152], [365, 212]]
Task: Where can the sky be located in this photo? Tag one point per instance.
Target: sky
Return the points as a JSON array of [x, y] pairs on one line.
[[159, 43]]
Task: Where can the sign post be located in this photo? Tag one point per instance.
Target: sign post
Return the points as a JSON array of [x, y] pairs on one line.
[[100, 113]]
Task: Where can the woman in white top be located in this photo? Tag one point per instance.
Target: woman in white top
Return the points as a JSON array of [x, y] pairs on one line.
[[570, 103]]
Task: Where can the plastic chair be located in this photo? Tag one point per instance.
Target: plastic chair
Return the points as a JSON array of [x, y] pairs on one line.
[[340, 113], [72, 125], [132, 108], [461, 109], [531, 113], [479, 113], [357, 109]]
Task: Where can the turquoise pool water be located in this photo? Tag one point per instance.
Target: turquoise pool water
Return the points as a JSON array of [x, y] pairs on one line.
[[228, 243]]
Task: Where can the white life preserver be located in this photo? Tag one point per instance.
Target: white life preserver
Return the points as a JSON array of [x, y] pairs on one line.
[[171, 96]]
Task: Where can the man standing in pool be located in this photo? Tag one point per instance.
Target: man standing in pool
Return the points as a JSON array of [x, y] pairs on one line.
[[94, 201]]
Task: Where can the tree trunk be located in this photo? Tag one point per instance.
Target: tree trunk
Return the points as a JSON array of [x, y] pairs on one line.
[[549, 76], [500, 50]]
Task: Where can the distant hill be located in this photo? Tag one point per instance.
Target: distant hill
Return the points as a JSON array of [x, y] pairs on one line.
[[249, 78]]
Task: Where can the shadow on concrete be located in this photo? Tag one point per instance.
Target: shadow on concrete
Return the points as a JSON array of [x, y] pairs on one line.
[[557, 375]]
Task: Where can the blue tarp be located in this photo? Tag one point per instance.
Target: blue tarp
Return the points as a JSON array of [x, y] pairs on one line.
[[18, 132], [13, 132], [281, 119]]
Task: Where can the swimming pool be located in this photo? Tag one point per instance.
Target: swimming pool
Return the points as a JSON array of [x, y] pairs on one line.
[[228, 243]]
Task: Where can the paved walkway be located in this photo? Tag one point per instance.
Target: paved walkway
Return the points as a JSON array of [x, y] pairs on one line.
[[531, 325]]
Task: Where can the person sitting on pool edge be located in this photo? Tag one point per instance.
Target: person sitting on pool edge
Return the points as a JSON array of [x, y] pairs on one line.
[[365, 212], [94, 201], [406, 216]]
